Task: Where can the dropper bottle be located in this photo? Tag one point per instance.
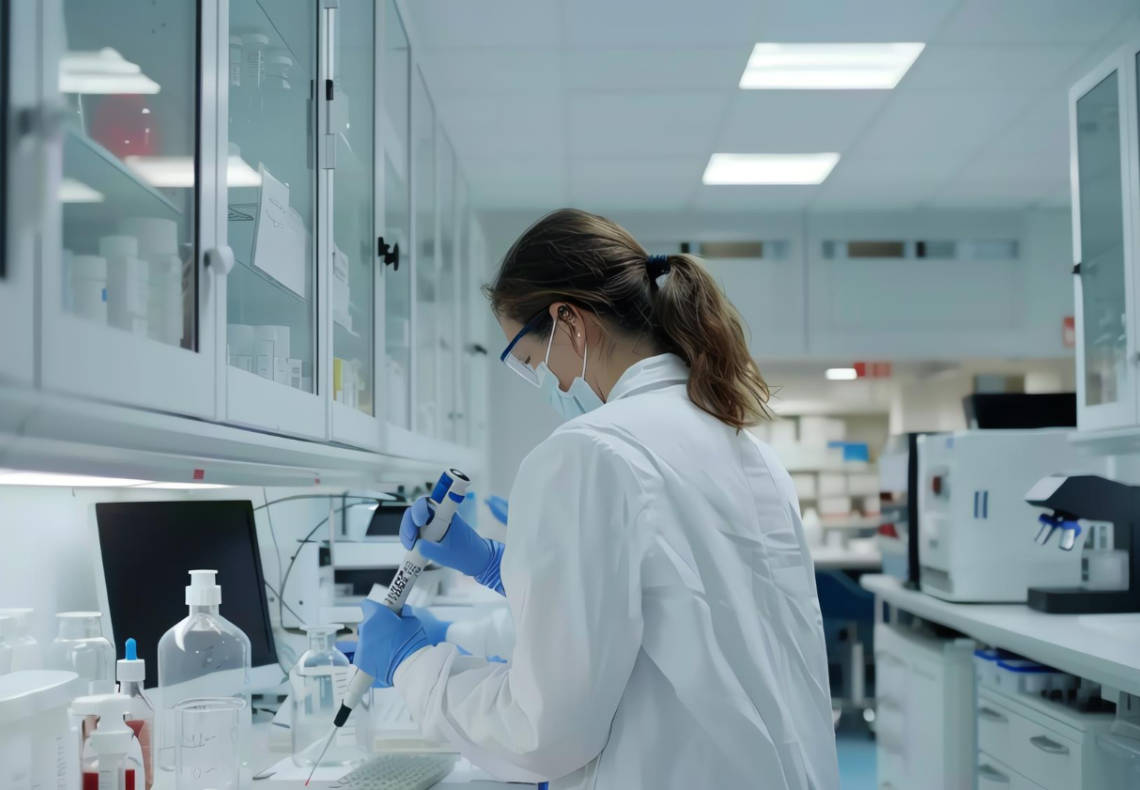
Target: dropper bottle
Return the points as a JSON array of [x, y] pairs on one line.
[[131, 673]]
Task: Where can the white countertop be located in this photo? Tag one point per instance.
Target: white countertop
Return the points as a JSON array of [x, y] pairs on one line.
[[1101, 647], [843, 558]]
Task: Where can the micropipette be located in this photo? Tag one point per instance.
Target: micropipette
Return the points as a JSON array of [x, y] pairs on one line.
[[445, 499]]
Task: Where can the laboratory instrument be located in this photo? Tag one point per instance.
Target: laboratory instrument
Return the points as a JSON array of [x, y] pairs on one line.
[[131, 673], [38, 744], [80, 647], [972, 515], [317, 683], [1069, 499], [203, 655], [444, 502], [143, 546], [25, 648], [396, 771], [111, 758], [989, 410], [207, 734], [898, 503]]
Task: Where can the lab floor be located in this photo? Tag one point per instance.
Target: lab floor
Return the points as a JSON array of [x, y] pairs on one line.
[[856, 757]]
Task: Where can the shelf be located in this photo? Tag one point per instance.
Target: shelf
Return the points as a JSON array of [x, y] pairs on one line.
[[265, 278], [125, 194], [1108, 441], [851, 522]]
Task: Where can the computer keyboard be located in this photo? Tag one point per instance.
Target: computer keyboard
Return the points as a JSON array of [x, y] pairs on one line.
[[398, 772]]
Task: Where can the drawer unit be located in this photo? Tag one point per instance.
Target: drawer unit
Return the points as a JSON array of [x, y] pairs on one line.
[[994, 725], [1044, 755], [993, 774]]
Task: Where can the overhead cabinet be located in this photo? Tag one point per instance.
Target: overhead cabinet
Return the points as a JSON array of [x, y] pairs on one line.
[[1104, 156], [250, 215]]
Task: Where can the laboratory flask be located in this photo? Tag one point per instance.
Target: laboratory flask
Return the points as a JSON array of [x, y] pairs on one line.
[[25, 649], [203, 655], [207, 754], [317, 684], [80, 647]]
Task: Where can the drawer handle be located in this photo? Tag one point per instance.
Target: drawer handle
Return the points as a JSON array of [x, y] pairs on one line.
[[1049, 745], [992, 774], [992, 715]]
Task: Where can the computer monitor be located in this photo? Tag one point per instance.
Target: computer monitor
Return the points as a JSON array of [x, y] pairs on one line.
[[147, 551]]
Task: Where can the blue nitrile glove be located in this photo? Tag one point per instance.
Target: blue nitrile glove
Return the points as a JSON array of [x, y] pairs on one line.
[[386, 639], [462, 547], [435, 628]]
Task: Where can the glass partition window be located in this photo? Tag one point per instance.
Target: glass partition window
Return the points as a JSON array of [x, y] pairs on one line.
[[271, 191], [426, 261], [1102, 243], [353, 265], [397, 221], [448, 321], [128, 77], [468, 285]]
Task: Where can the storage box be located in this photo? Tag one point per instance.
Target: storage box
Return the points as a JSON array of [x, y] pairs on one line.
[[864, 484], [832, 484], [782, 432], [835, 506], [805, 485], [821, 430]]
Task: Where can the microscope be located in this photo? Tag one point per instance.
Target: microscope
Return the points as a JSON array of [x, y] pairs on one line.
[[1091, 498]]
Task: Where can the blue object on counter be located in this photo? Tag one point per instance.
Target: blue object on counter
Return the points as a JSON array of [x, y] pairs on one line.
[[499, 507], [853, 451]]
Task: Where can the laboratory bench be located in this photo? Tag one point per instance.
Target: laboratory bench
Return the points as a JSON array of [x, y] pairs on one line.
[[1104, 648]]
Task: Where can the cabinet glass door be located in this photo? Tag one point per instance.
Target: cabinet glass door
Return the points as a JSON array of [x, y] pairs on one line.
[[469, 282], [426, 338], [271, 305], [395, 72], [1104, 307], [353, 274], [123, 307], [447, 324]]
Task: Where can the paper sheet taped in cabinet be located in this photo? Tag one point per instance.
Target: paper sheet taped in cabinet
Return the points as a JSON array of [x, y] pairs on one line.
[[280, 241]]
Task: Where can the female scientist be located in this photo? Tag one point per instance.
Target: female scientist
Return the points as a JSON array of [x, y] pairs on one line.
[[668, 633]]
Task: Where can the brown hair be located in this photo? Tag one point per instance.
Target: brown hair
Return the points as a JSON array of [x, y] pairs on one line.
[[586, 260]]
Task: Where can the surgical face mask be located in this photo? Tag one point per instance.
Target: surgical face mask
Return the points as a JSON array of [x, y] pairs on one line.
[[579, 399]]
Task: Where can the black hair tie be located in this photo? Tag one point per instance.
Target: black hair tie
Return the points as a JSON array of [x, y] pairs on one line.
[[657, 266]]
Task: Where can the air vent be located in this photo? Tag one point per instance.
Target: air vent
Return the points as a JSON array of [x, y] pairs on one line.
[[731, 249], [876, 249], [925, 249], [941, 250]]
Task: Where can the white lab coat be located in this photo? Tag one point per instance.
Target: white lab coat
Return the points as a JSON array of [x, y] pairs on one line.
[[668, 633]]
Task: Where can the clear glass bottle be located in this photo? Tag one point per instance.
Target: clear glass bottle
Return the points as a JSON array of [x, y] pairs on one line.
[[25, 649], [80, 647], [131, 672], [203, 655], [317, 684]]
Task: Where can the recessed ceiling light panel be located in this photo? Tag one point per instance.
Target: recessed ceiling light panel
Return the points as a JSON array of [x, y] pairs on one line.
[[768, 169], [828, 66]]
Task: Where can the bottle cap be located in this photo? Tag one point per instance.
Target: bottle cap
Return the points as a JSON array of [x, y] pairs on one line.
[[111, 735], [131, 668], [203, 589]]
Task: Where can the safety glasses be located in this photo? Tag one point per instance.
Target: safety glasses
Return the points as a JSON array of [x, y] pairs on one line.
[[525, 371]]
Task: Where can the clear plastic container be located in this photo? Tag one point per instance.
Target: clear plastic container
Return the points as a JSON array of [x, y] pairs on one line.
[[80, 647], [317, 684], [203, 655], [25, 649]]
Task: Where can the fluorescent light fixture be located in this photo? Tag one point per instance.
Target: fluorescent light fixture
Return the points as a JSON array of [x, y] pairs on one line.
[[769, 168], [16, 477], [72, 191], [177, 172], [841, 374], [828, 66], [103, 71]]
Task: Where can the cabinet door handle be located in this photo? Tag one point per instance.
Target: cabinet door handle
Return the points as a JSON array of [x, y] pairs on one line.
[[992, 774], [992, 715], [1048, 745], [220, 260], [390, 254]]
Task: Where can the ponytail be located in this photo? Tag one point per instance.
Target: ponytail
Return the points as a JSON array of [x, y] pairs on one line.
[[587, 260], [694, 319]]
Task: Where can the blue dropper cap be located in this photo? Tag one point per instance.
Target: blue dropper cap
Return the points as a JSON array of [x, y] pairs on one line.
[[131, 667]]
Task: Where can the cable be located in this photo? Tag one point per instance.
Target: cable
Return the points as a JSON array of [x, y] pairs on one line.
[[273, 535], [281, 601]]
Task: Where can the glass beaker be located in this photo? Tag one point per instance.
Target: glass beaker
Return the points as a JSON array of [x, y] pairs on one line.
[[25, 648], [80, 647], [317, 684], [207, 752]]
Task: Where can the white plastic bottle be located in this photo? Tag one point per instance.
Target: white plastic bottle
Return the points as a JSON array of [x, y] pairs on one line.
[[112, 757], [131, 673], [203, 655]]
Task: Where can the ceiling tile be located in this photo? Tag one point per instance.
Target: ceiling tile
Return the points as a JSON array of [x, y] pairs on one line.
[[517, 182], [468, 72], [1035, 21], [658, 184], [1020, 68], [660, 23], [654, 69], [641, 124], [752, 198], [796, 121], [487, 23], [866, 20], [483, 126]]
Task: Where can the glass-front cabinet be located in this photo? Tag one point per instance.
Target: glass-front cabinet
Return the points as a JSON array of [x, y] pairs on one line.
[[425, 229], [447, 322], [127, 312], [273, 180], [354, 281], [394, 129], [1105, 228]]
